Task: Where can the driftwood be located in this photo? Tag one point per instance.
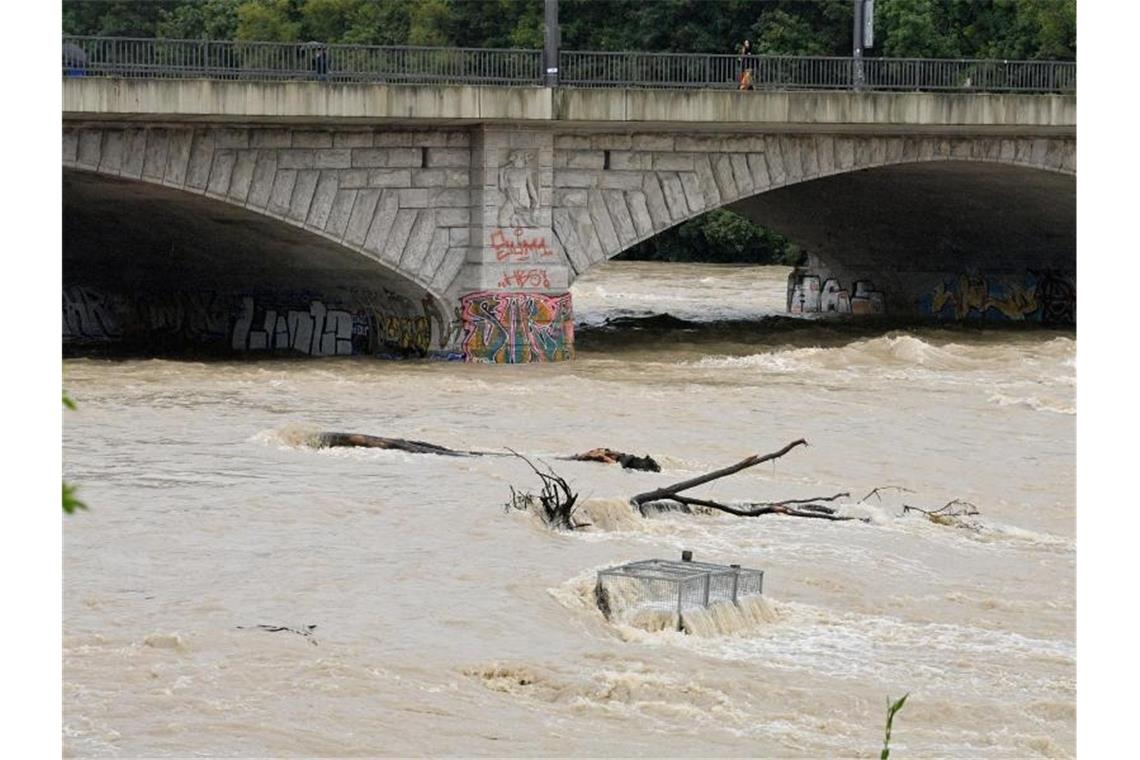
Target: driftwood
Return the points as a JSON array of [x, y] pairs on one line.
[[684, 485], [554, 504], [877, 492], [951, 513], [307, 632], [811, 508], [360, 440], [791, 507], [336, 440], [610, 456]]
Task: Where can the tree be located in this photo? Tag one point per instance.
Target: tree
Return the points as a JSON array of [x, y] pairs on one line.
[[720, 236], [269, 21], [207, 20]]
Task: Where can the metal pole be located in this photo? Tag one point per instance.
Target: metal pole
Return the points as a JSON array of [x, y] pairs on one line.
[[857, 46], [552, 41]]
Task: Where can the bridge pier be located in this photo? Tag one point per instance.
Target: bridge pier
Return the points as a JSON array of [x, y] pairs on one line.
[[515, 304]]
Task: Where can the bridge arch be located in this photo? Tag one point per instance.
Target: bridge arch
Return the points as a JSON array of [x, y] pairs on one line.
[[614, 191], [156, 269], [399, 198]]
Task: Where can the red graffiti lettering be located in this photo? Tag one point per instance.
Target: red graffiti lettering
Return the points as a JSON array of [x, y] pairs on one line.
[[525, 278], [520, 250]]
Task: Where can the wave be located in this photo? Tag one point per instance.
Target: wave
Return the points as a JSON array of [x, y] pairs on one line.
[[1035, 403], [293, 435]]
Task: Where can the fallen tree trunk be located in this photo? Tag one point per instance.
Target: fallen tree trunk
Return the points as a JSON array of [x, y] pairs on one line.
[[360, 440], [812, 508], [335, 440], [685, 485]]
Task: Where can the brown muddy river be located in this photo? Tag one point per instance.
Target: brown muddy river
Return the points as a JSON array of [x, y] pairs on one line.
[[446, 626]]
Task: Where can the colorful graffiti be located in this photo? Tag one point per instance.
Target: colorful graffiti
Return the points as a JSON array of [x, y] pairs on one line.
[[513, 328], [518, 248], [404, 335], [1045, 297], [807, 296]]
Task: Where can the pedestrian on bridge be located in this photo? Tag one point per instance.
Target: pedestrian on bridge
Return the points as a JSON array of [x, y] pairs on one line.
[[743, 55], [321, 63]]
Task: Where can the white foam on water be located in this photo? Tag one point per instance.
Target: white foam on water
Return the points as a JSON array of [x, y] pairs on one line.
[[1033, 402]]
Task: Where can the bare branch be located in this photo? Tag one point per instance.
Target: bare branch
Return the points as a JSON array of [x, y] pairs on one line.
[[756, 510], [755, 459], [879, 489]]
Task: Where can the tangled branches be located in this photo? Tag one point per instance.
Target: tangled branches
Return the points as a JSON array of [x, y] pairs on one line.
[[554, 504]]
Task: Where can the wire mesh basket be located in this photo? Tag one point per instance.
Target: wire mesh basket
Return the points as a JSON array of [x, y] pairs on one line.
[[671, 586]]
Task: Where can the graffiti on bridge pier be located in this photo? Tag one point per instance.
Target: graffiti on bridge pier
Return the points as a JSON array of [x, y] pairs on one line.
[[513, 328], [89, 315], [319, 331], [358, 322], [519, 248], [536, 278], [1037, 296], [807, 296]]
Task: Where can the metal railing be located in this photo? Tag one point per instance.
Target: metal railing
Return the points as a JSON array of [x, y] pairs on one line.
[[188, 59], [198, 59], [689, 71]]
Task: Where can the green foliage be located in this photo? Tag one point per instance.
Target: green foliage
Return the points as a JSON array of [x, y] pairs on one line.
[[1000, 29], [892, 708], [719, 236], [269, 21], [206, 20], [1009, 29], [70, 501], [118, 18], [797, 28]]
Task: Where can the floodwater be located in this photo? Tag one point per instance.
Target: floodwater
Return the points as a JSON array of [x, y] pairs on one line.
[[446, 625]]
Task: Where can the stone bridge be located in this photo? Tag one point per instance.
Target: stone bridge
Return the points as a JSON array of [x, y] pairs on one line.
[[452, 220]]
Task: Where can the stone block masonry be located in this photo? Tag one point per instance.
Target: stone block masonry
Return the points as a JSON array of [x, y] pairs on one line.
[[495, 222]]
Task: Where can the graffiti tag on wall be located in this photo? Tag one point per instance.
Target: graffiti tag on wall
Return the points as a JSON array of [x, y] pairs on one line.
[[198, 317], [89, 315], [319, 331], [535, 278], [513, 328], [1044, 297], [379, 322], [807, 296], [519, 247]]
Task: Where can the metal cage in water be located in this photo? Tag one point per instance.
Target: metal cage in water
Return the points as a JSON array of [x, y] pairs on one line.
[[674, 586]]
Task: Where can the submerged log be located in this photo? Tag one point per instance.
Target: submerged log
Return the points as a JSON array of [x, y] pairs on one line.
[[336, 440], [360, 440]]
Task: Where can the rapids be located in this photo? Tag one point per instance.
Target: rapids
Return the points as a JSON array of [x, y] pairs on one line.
[[446, 625]]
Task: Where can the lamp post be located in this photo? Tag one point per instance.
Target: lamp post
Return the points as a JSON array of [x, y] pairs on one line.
[[551, 41], [862, 37]]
